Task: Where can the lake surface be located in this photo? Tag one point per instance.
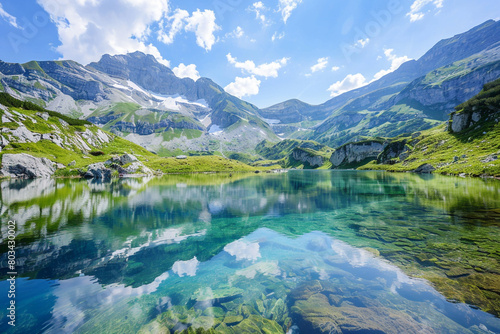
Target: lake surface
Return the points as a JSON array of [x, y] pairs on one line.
[[297, 252]]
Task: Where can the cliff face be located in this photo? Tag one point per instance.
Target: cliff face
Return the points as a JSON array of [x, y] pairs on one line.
[[468, 118], [464, 120], [440, 91], [356, 152], [483, 108], [307, 157]]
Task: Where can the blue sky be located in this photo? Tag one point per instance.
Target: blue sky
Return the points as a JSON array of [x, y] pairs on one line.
[[263, 51]]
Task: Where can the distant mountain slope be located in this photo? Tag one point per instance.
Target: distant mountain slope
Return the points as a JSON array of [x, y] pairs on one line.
[[136, 97], [469, 143], [413, 97], [420, 105]]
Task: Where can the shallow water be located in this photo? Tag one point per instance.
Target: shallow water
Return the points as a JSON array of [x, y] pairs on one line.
[[299, 252]]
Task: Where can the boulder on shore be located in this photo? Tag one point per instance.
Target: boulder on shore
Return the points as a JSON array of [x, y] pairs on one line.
[[98, 171], [425, 169], [127, 158], [23, 165], [138, 167]]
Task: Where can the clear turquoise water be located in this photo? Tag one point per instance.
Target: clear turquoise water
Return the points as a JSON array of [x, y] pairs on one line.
[[303, 251]]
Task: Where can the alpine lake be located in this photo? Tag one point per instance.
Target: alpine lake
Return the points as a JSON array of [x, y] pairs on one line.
[[295, 252]]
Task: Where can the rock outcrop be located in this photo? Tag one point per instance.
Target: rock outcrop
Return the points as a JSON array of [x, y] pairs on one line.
[[356, 152], [127, 158], [308, 157], [392, 151], [26, 166], [138, 168], [465, 119]]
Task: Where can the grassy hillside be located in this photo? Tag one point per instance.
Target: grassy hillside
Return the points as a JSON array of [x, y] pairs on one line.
[[24, 119], [473, 151]]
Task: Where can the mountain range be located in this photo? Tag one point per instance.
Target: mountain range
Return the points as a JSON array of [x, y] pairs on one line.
[[137, 98], [418, 95]]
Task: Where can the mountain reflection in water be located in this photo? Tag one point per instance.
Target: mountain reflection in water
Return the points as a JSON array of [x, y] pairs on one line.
[[276, 252]]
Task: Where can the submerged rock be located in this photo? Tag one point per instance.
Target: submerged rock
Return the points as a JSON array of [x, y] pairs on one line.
[[314, 312], [220, 295], [26, 166]]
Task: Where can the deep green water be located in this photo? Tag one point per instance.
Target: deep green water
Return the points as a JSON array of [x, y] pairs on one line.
[[299, 252]]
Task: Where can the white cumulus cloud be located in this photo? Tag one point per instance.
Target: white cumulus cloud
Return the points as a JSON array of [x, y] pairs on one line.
[[264, 70], [8, 18], [335, 68], [175, 23], [350, 82], [186, 71], [201, 23], [204, 26], [286, 7], [395, 63], [416, 10], [320, 65], [354, 81], [242, 87], [88, 29]]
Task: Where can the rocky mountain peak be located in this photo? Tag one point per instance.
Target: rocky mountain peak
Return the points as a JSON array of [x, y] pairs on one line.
[[145, 71], [461, 46]]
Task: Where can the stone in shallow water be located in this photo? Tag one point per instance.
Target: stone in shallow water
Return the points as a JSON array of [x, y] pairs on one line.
[[216, 312], [268, 268], [233, 319], [205, 322], [314, 313], [253, 324], [219, 295], [154, 327]]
